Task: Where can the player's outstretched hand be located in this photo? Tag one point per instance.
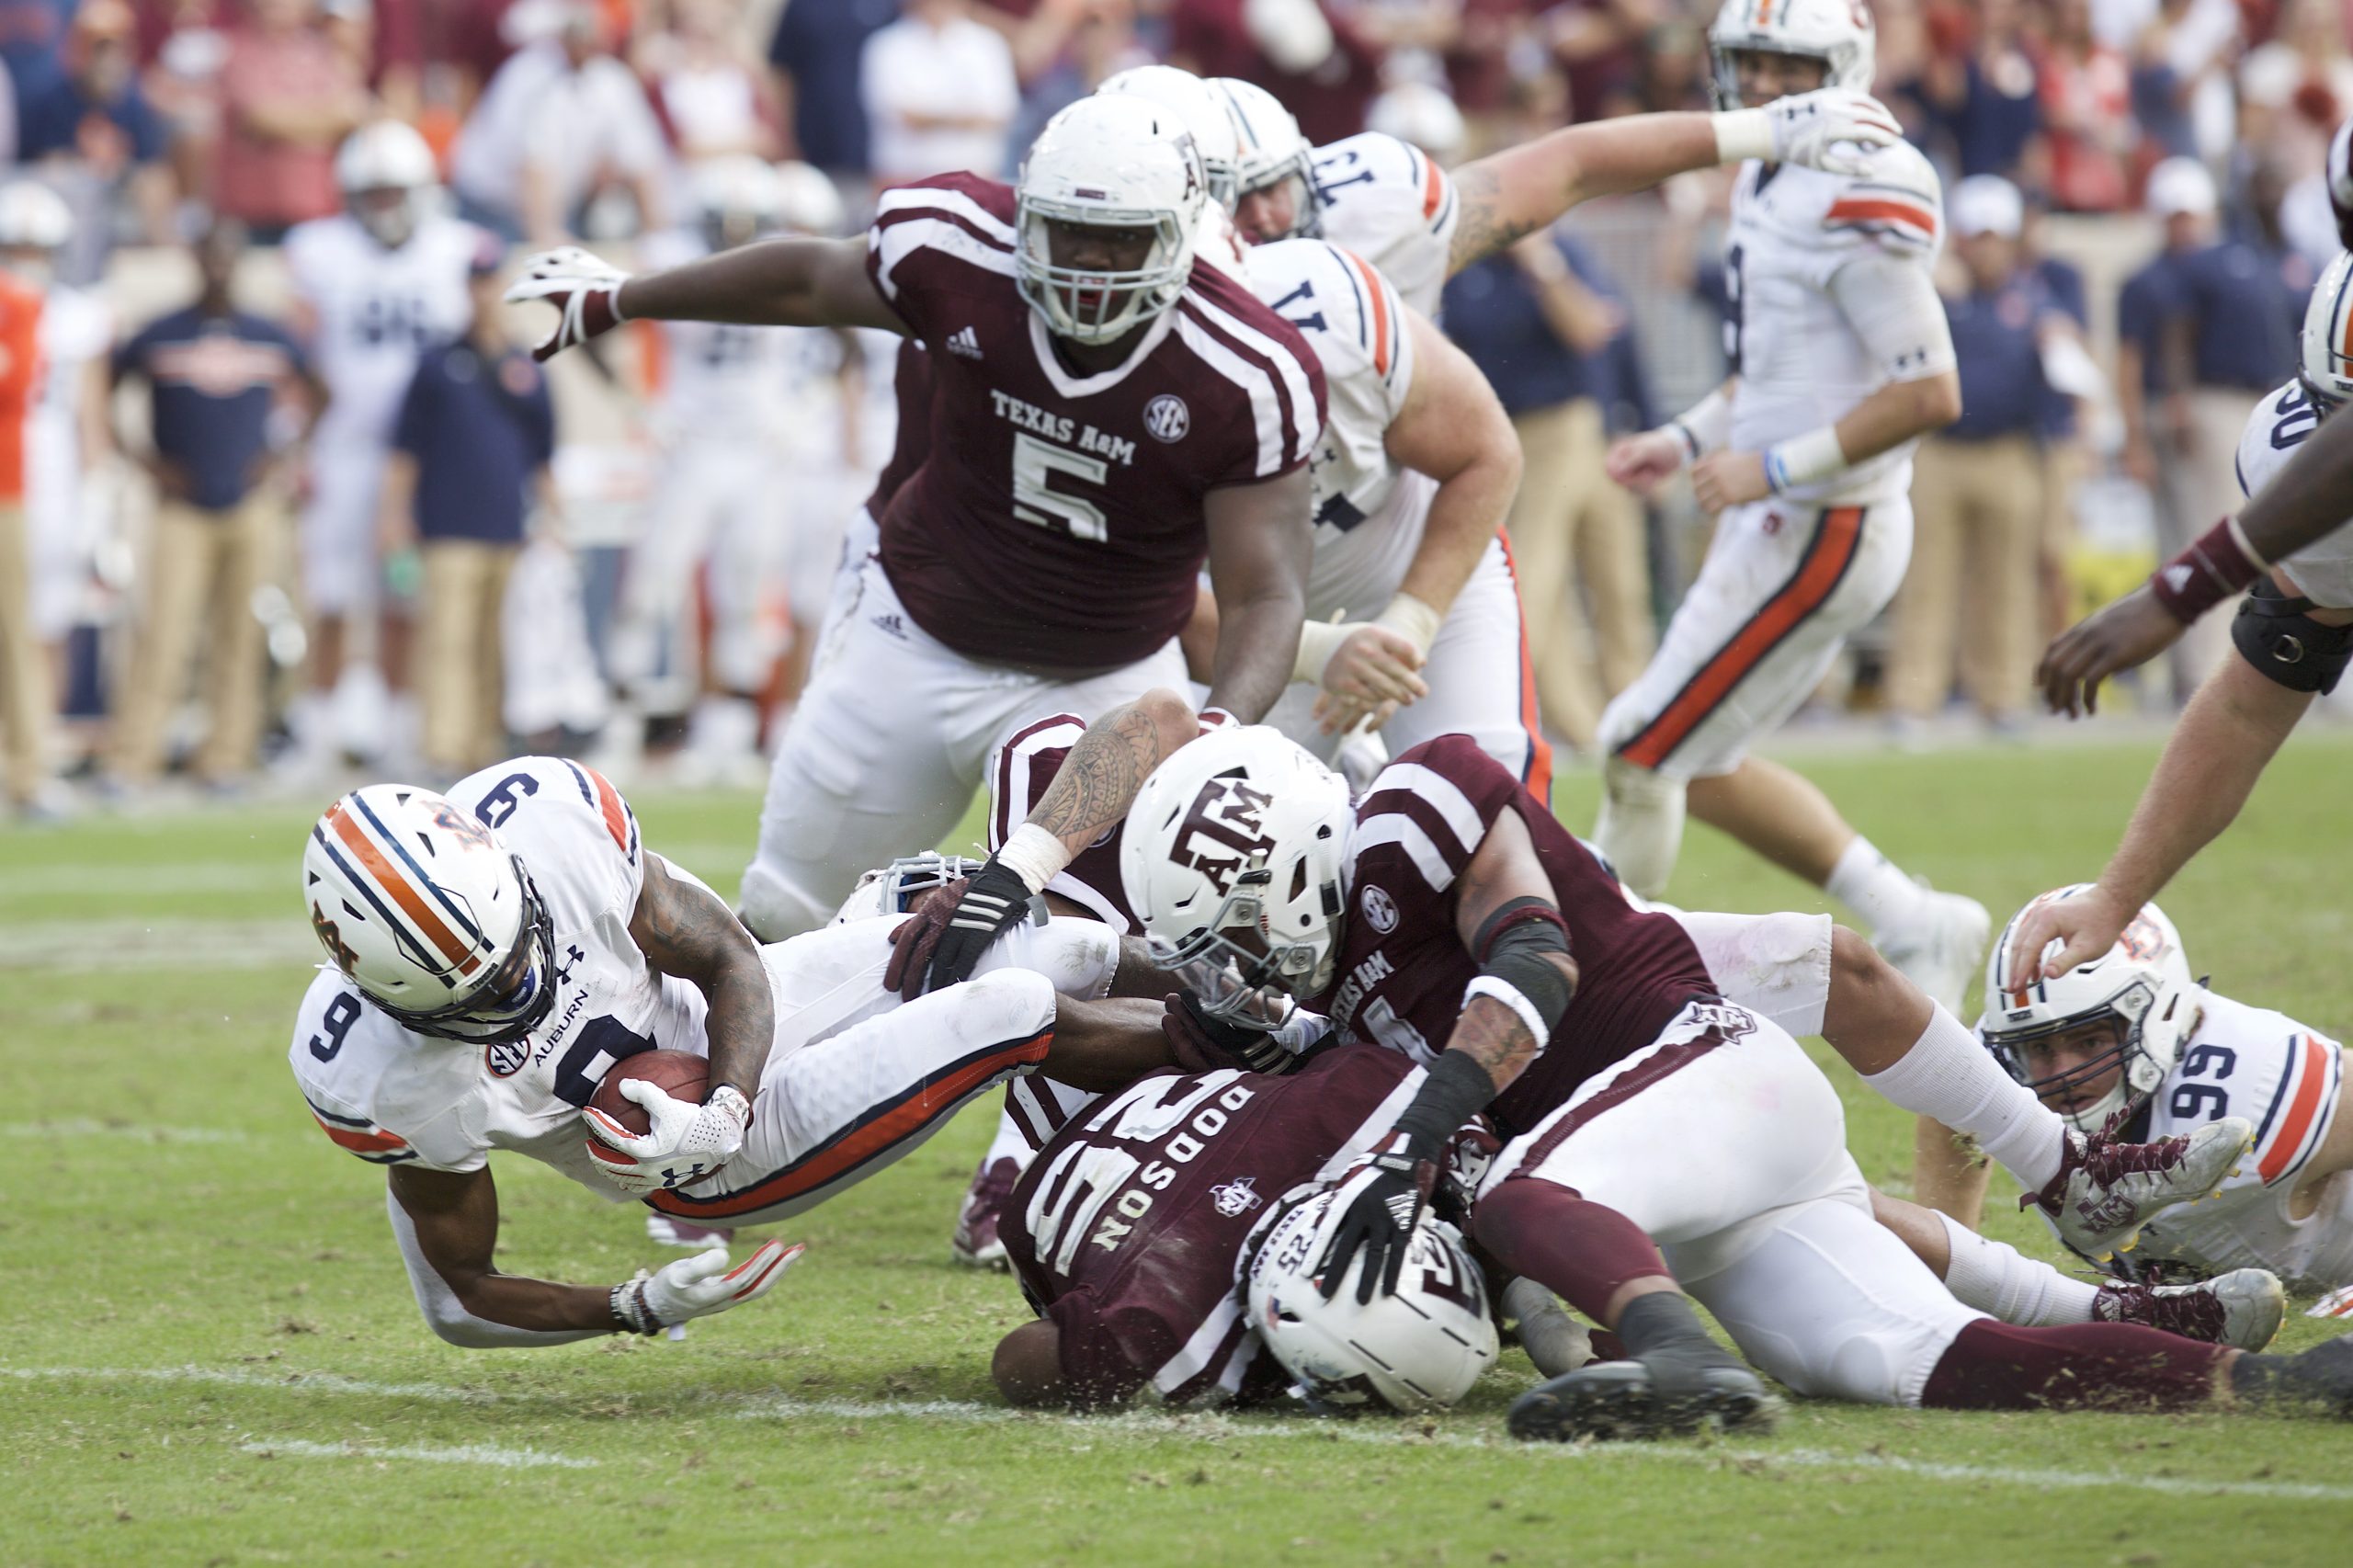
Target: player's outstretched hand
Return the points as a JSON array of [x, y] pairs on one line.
[[1381, 1203], [2109, 641], [1641, 463], [1369, 676], [1729, 479], [942, 944], [699, 1286], [584, 288], [1833, 129], [2066, 932], [685, 1143]]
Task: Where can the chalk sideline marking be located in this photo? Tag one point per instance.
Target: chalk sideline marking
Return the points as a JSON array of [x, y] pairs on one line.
[[465, 1453]]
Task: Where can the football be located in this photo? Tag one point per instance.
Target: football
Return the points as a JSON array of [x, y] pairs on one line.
[[676, 1072]]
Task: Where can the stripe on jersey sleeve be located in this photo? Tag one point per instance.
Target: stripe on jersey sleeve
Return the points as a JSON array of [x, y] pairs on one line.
[[1011, 778], [357, 1135], [2300, 1110], [1897, 211], [1383, 322], [1440, 794], [895, 238], [1295, 426], [1409, 836]]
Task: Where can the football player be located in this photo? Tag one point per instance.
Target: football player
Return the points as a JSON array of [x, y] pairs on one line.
[[1661, 1139], [373, 286], [1840, 360], [495, 951], [1102, 416]]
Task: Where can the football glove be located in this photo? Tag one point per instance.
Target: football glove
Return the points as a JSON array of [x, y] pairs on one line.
[[699, 1286], [1380, 1202], [1204, 1044], [942, 944], [584, 288], [685, 1143], [1833, 129]]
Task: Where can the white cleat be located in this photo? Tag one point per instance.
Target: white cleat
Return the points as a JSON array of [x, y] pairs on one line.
[[2106, 1190], [1939, 946], [2241, 1309]]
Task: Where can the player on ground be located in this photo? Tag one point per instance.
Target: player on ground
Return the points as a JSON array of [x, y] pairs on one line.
[[498, 950], [1102, 416], [373, 286]]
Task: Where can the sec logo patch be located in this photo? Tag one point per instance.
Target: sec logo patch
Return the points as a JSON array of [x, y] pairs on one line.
[[1379, 909], [505, 1058], [1165, 418]]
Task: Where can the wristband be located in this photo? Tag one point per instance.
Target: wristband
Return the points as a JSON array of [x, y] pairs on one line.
[[1217, 719], [1318, 641], [1413, 619], [1706, 425], [1511, 996], [629, 1309], [1743, 134], [2218, 564], [1801, 460], [1034, 854]]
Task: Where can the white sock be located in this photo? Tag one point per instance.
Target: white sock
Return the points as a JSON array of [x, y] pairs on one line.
[[1949, 1076], [1640, 830], [1010, 1143], [1871, 885], [1994, 1277]]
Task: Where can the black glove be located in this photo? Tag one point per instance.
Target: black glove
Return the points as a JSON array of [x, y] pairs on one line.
[[943, 945], [1383, 1203], [1204, 1044]]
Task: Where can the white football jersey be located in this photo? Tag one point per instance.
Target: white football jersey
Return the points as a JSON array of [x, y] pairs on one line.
[[1369, 512], [2286, 1079], [726, 383], [377, 310], [2323, 570], [392, 1096], [1801, 363], [76, 327], [1390, 203]]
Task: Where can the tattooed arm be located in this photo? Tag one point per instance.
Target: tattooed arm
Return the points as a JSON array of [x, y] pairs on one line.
[[1509, 195], [683, 929], [1505, 870], [1098, 780]]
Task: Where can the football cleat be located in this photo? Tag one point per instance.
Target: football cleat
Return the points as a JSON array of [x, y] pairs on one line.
[[665, 1231], [2318, 1381], [1554, 1341], [2241, 1309], [1938, 947], [975, 1244], [1671, 1391], [2107, 1190]]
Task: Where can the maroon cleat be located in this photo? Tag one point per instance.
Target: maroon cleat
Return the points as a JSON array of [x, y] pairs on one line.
[[2241, 1309], [975, 1244], [2107, 1190]]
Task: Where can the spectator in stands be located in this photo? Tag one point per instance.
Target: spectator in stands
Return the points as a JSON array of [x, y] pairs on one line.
[[706, 87], [95, 135], [561, 125], [289, 97], [2181, 70], [1539, 321], [940, 92], [1306, 52], [24, 703], [475, 437], [32, 39], [1985, 117], [1977, 494], [1598, 45], [2086, 101], [816, 52], [222, 384]]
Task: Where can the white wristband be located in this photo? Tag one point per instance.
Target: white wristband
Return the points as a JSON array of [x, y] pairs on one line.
[[1743, 134], [1413, 619], [1801, 460], [1034, 854], [1318, 641], [1704, 427], [1509, 995]]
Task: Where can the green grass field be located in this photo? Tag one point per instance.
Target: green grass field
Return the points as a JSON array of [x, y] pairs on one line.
[[213, 1357]]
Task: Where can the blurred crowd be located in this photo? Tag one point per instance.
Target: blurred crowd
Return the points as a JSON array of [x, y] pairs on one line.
[[2135, 207]]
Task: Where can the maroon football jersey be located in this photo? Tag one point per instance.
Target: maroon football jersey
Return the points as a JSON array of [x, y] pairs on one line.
[[1404, 966], [911, 390], [1127, 1230], [1056, 520], [1022, 770]]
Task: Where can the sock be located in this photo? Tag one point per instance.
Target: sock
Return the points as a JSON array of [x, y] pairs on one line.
[[1640, 830], [1010, 1143], [2090, 1366], [1583, 1252], [1869, 883], [1948, 1075], [1994, 1277]]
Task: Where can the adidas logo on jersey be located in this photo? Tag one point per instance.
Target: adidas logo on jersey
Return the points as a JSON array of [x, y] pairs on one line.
[[965, 342], [890, 625]]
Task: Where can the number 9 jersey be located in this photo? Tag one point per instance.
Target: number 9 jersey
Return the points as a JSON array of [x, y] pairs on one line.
[[394, 1097]]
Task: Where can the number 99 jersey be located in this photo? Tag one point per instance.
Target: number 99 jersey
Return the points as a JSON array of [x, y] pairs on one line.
[[392, 1096]]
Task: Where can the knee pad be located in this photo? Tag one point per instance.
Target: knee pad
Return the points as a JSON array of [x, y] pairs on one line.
[[2278, 635], [1641, 828]]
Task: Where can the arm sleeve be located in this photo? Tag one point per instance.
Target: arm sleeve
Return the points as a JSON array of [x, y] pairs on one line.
[[446, 1313], [1893, 307]]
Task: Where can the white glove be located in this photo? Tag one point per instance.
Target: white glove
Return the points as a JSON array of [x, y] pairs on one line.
[[584, 288], [699, 1286], [686, 1142], [1833, 129]]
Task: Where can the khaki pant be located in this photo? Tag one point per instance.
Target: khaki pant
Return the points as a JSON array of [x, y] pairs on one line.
[[461, 653], [2197, 487], [1571, 527], [202, 570], [24, 703], [1978, 518]]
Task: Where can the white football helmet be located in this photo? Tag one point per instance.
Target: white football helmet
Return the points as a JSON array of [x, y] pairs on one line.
[[2142, 983], [1203, 110], [1240, 833], [1419, 1349], [1274, 148], [890, 888], [735, 201], [2325, 365], [807, 202], [1839, 33], [1108, 164], [33, 217], [387, 175], [429, 915]]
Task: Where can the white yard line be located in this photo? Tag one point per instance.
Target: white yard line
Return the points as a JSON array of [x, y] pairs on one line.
[[489, 1454], [86, 947], [1211, 1426], [28, 1131]]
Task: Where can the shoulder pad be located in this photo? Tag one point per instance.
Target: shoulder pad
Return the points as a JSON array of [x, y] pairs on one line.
[[336, 1041], [2274, 431], [575, 833], [1437, 801], [1896, 201], [1348, 311]]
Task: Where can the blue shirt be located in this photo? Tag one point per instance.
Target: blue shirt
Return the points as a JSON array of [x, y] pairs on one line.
[[1493, 312], [2142, 307], [820, 42], [214, 379], [2065, 284], [1990, 128], [479, 430], [2002, 389], [2245, 303], [32, 36], [51, 114]]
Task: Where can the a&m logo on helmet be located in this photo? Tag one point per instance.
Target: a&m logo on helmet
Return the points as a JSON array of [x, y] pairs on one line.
[[1223, 829], [1166, 419]]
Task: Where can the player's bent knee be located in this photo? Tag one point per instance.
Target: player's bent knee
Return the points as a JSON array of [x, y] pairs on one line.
[[1873, 1015], [774, 910], [2278, 637]]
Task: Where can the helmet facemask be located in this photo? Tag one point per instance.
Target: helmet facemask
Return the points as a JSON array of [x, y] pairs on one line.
[[510, 1001], [1097, 304], [1251, 982], [1307, 202], [2127, 1016]]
